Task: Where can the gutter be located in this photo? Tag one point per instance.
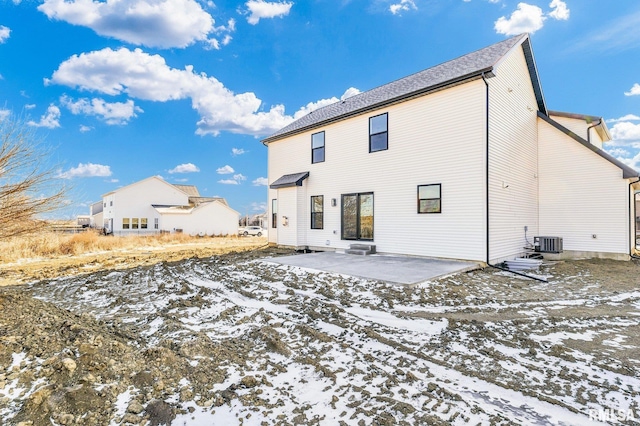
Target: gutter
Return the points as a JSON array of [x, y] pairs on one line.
[[591, 127]]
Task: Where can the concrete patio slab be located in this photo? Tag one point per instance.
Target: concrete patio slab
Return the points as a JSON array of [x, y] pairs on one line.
[[390, 268]]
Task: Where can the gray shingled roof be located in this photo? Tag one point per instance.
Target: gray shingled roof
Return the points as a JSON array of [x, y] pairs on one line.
[[448, 73], [294, 179]]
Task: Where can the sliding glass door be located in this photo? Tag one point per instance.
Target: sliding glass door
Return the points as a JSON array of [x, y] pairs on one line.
[[357, 216]]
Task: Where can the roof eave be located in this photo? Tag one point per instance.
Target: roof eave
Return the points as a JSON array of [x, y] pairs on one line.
[[488, 72]]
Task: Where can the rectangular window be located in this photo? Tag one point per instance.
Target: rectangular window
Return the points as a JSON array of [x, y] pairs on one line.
[[317, 147], [155, 223], [429, 198], [143, 223], [317, 211], [378, 134], [125, 223], [274, 213], [134, 223], [110, 203]]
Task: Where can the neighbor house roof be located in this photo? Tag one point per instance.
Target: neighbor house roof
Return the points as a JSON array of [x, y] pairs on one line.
[[467, 67], [190, 190], [627, 172]]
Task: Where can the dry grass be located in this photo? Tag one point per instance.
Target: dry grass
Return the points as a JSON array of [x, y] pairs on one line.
[[52, 245]]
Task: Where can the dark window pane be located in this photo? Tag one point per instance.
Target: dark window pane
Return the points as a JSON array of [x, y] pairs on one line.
[[378, 142], [429, 191], [378, 124], [430, 206], [317, 140], [318, 155], [349, 217]]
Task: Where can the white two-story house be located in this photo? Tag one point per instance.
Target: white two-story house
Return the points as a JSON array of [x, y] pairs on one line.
[[153, 205], [462, 160]]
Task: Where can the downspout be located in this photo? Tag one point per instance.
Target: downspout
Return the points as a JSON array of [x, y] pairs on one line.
[[486, 83], [486, 162], [633, 236], [591, 127]]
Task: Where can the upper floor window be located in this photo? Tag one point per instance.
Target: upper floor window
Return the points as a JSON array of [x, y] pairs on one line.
[[429, 198], [378, 133], [317, 147], [317, 211]]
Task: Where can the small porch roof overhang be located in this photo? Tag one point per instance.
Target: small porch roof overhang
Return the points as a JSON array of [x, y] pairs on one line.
[[286, 181]]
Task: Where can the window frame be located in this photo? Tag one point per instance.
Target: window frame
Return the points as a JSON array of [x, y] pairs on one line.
[[314, 214], [144, 223], [386, 131], [274, 212], [439, 198], [322, 148], [156, 223], [126, 223], [135, 223]]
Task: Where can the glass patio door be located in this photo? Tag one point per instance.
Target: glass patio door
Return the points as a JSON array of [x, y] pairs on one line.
[[357, 216]]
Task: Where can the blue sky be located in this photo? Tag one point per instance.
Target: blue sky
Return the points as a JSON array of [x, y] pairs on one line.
[[125, 89]]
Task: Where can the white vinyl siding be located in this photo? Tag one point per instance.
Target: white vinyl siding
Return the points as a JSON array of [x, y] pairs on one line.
[[579, 127], [435, 138], [581, 195], [513, 158]]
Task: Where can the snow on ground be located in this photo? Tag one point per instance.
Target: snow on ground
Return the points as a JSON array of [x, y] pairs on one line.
[[312, 347]]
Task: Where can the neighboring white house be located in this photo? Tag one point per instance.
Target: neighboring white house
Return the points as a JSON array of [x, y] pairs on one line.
[[153, 205], [462, 160], [96, 219]]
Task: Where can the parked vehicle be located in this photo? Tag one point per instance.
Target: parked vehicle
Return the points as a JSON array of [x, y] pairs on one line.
[[251, 230]]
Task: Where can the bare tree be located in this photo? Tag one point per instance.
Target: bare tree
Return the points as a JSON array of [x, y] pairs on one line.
[[28, 186]]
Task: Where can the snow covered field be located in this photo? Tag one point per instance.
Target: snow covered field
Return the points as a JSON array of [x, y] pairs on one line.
[[236, 340]]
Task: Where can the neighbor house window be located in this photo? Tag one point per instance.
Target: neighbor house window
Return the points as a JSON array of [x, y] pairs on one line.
[[429, 198], [378, 135], [317, 211], [317, 147], [274, 213], [155, 223], [125, 223], [110, 203], [143, 223], [134, 223]]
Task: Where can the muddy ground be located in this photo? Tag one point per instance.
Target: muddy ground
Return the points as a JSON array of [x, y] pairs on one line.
[[236, 339]]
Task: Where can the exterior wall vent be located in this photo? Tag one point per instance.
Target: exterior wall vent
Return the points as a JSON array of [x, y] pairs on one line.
[[548, 244]]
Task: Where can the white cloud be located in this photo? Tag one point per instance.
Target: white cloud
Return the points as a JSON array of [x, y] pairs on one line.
[[155, 23], [526, 19], [312, 106], [86, 170], [84, 129], [237, 151], [226, 170], [185, 168], [261, 181], [112, 180], [112, 113], [619, 152], [260, 9], [182, 180], [259, 207], [560, 10], [4, 114], [403, 6], [635, 90], [5, 32], [50, 120], [29, 106], [237, 179], [625, 131], [148, 77], [628, 117]]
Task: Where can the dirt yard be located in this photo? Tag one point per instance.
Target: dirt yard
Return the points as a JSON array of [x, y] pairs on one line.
[[235, 339]]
